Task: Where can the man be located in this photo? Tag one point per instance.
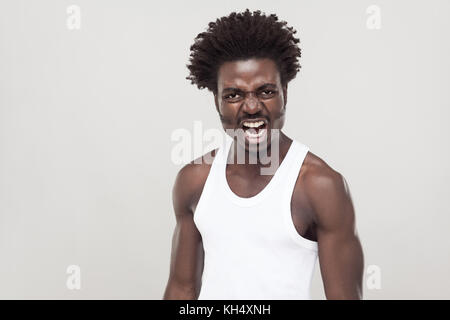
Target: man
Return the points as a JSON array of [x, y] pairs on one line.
[[241, 234]]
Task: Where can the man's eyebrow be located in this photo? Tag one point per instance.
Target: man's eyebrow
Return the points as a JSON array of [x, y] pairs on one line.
[[265, 85]]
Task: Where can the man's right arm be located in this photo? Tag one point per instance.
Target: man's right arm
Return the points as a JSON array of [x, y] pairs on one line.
[[186, 265]]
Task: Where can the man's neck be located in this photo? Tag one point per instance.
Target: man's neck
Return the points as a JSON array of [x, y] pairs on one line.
[[279, 151]]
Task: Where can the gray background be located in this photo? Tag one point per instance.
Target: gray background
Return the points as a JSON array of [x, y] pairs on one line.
[[86, 118]]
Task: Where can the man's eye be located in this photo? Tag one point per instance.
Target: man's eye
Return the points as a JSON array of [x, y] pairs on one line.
[[231, 96], [268, 93]]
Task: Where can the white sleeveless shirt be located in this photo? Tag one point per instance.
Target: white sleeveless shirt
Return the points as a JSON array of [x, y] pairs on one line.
[[252, 249]]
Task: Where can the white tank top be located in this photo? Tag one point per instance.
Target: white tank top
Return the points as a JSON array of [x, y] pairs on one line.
[[252, 249]]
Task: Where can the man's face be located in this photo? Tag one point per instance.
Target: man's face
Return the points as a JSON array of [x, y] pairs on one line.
[[250, 97]]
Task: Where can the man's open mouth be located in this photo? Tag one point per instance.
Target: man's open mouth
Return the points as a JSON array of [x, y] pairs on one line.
[[254, 129]]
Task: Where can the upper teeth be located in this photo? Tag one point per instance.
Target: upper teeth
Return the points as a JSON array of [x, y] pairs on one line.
[[253, 124]]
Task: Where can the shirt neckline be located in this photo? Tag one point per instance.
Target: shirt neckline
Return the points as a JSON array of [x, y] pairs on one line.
[[246, 202]]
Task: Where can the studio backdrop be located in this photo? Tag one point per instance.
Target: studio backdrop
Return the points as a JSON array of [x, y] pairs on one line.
[[91, 93]]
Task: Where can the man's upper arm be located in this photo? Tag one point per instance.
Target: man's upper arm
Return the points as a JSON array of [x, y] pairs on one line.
[[340, 252], [187, 251]]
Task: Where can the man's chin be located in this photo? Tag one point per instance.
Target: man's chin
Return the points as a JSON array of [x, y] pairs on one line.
[[254, 145]]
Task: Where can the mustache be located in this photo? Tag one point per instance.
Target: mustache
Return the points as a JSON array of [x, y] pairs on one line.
[[232, 122]]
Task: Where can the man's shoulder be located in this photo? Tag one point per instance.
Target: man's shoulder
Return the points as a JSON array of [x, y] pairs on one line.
[[317, 172], [191, 179], [323, 186], [196, 169], [319, 180]]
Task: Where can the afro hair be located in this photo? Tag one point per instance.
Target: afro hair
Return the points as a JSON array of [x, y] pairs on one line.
[[241, 36]]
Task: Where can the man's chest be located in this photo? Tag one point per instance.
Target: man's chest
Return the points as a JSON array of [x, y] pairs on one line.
[[301, 213]]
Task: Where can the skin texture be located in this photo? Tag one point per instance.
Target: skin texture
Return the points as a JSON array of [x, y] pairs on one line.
[[321, 205]]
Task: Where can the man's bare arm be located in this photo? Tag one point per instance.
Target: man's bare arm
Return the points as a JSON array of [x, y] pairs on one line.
[[340, 251], [186, 263]]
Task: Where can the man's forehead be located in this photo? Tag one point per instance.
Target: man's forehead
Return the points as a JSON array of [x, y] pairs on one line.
[[248, 72]]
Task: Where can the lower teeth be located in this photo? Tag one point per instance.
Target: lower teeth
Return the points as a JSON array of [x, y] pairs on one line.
[[257, 134]]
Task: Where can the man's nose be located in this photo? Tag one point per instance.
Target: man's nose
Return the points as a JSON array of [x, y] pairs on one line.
[[251, 103]]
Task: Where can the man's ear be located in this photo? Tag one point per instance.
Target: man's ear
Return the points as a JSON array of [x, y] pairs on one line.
[[285, 95], [216, 101]]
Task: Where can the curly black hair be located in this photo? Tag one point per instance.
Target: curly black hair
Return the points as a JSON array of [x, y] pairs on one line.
[[241, 36]]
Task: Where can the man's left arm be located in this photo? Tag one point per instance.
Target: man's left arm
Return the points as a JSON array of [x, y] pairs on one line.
[[340, 252]]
